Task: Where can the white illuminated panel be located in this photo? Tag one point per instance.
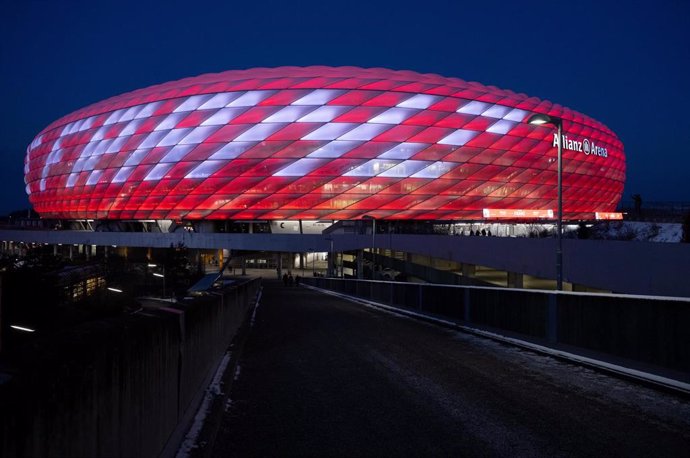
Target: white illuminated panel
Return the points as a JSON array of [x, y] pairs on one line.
[[475, 107], [152, 139], [72, 180], [100, 133], [94, 177], [324, 114], [158, 172], [372, 168], [131, 127], [318, 97], [205, 169], [148, 110], [420, 101], [335, 148], [330, 131], [458, 138], [223, 116], [170, 121], [516, 115], [177, 153], [116, 145], [192, 103], [102, 147], [122, 174], [403, 151], [114, 117], [130, 113], [136, 157], [364, 132], [198, 135], [497, 111], [393, 116], [501, 127], [250, 99], [174, 137], [232, 150], [259, 132], [405, 169], [289, 114], [220, 100], [435, 170], [300, 168]]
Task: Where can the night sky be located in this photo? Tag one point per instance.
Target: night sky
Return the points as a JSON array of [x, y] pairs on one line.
[[626, 64]]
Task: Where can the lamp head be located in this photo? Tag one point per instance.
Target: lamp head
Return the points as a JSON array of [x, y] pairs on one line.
[[540, 119]]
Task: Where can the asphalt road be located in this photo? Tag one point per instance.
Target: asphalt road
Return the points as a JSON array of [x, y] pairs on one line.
[[320, 376]]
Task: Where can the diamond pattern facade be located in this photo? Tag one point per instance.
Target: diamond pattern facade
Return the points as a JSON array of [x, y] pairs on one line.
[[319, 143]]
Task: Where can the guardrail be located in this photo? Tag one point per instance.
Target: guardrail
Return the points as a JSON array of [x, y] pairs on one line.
[[644, 331]]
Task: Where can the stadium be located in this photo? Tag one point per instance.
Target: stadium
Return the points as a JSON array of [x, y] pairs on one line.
[[321, 143]]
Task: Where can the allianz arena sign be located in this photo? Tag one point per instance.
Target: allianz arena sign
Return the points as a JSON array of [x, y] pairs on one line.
[[319, 143]]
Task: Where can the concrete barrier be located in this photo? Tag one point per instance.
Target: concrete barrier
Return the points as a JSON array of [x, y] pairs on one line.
[[119, 387], [643, 332]]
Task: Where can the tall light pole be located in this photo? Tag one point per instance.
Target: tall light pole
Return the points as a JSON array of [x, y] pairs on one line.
[[537, 120]]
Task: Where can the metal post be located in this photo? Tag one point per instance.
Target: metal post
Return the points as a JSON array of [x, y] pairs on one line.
[[559, 248]]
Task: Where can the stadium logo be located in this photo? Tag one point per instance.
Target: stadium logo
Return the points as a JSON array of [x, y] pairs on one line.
[[585, 146]]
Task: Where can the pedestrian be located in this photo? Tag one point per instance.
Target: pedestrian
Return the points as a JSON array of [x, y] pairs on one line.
[[297, 280], [484, 232], [285, 279], [290, 280]]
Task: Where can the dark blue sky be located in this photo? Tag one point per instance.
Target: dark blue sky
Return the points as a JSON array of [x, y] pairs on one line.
[[626, 64]]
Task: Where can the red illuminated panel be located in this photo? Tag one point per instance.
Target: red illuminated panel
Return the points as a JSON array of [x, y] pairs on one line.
[[320, 142]]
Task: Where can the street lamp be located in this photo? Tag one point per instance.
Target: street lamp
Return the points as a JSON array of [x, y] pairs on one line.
[[537, 120]]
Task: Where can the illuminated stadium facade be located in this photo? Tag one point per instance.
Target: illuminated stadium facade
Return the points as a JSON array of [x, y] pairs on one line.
[[320, 143]]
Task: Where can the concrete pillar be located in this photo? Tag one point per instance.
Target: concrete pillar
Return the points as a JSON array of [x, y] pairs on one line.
[[360, 264], [55, 250], [301, 261], [468, 270], [331, 264], [280, 265], [515, 280], [244, 266], [87, 249], [71, 255]]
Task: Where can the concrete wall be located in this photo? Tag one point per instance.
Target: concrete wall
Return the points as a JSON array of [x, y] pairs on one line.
[[625, 267], [643, 331], [118, 387]]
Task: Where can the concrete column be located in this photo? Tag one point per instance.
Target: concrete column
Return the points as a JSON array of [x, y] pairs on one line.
[[301, 261], [55, 250], [331, 264], [468, 270], [280, 265], [244, 266], [360, 264], [71, 255], [515, 280], [87, 249]]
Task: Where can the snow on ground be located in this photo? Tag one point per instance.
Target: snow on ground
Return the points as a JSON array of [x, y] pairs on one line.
[[638, 231]]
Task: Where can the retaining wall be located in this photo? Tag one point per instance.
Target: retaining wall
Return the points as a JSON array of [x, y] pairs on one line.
[[118, 387]]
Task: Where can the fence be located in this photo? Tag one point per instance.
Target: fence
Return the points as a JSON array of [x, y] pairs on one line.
[[639, 329]]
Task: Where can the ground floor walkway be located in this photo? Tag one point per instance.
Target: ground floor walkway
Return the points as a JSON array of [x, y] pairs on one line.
[[321, 376]]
